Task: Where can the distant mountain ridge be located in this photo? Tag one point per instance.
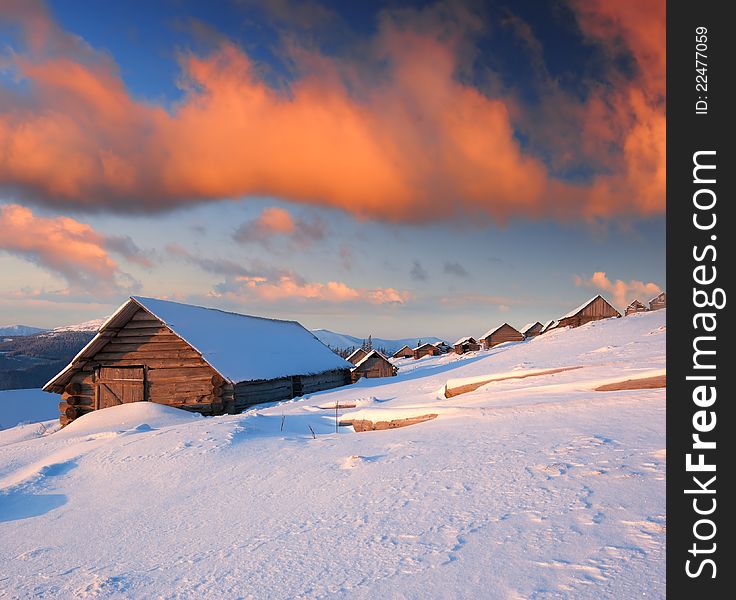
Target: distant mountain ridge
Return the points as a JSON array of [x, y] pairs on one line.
[[13, 330], [342, 340]]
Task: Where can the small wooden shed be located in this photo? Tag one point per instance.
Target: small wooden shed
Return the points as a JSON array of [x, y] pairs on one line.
[[374, 364], [499, 335], [442, 347], [357, 355], [635, 307], [659, 301], [466, 344], [531, 330], [426, 350], [405, 352], [549, 325], [595, 309], [199, 359]]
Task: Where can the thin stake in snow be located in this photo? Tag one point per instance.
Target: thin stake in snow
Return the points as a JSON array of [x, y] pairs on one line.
[[314, 436]]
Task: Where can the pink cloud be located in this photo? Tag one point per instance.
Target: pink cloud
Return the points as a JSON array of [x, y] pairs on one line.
[[68, 248], [383, 147], [622, 292], [288, 287]]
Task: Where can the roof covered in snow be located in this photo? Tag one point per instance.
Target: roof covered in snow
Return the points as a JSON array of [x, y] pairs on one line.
[[239, 347], [572, 313], [658, 296], [369, 355], [528, 326], [490, 332], [465, 340]]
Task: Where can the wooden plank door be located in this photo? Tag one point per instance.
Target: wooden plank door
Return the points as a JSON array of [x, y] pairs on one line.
[[120, 385]]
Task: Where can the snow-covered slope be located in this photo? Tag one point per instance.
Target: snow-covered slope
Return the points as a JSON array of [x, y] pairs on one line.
[[342, 340], [13, 330], [534, 487], [92, 326]]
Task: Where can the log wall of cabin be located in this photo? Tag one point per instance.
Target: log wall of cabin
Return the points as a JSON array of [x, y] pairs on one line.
[[504, 334], [248, 393], [175, 373], [375, 366]]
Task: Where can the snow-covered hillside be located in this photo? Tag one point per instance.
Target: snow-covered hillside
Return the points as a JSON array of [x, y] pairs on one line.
[[13, 330], [343, 340], [528, 487]]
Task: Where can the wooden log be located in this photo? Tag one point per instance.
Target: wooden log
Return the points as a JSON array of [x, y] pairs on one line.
[[133, 330], [193, 373], [125, 345], [74, 412], [143, 315], [217, 380], [73, 388], [145, 355], [64, 420], [159, 363], [63, 406]]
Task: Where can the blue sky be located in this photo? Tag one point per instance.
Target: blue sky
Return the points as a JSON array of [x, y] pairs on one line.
[[435, 241]]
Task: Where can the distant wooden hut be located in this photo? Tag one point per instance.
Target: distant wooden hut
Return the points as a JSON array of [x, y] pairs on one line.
[[442, 347], [405, 352], [659, 301], [199, 359], [357, 355], [635, 307], [374, 364], [548, 326], [531, 330], [593, 310], [466, 344], [426, 350], [499, 335]]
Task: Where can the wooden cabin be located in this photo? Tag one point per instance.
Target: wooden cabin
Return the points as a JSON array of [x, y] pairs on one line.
[[357, 356], [374, 364], [635, 307], [499, 335], [595, 309], [659, 301], [531, 330], [549, 325], [443, 347], [426, 350], [199, 359], [466, 344], [405, 352]]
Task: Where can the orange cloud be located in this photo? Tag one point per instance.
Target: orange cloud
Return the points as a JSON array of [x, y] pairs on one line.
[[274, 221], [288, 287], [412, 144], [62, 245], [623, 292]]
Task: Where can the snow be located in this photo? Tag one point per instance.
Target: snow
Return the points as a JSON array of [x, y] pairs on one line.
[[367, 356], [463, 340], [92, 325], [245, 348], [26, 406], [537, 487], [527, 327]]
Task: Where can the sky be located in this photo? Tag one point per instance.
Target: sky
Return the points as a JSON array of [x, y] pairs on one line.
[[388, 168]]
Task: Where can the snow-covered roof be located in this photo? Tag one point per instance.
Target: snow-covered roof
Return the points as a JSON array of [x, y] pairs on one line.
[[636, 302], [464, 340], [239, 347], [528, 326], [424, 346], [367, 356], [572, 313], [658, 295], [355, 352], [494, 330], [549, 325]]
